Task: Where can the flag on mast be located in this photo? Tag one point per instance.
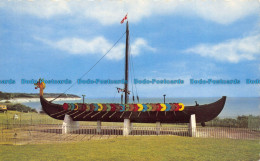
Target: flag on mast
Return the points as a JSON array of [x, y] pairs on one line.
[[124, 19]]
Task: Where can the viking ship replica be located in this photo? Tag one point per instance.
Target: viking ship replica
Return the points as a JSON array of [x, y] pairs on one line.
[[138, 113]]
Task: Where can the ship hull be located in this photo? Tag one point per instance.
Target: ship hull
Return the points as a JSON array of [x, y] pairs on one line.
[[203, 113]]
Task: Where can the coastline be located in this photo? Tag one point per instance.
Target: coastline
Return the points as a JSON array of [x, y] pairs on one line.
[[26, 100]]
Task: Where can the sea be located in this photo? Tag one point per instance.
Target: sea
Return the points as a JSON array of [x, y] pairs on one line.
[[235, 106]]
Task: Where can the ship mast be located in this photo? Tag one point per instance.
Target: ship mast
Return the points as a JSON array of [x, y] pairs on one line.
[[126, 64]]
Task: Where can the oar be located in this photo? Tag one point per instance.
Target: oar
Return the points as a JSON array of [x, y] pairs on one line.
[[79, 114], [130, 115], [156, 113], [139, 114], [112, 115], [95, 114], [149, 113], [74, 113], [184, 112], [122, 115], [87, 114], [104, 114], [64, 114], [58, 112]]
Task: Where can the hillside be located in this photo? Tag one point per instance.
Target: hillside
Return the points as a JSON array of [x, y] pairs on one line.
[[7, 96]]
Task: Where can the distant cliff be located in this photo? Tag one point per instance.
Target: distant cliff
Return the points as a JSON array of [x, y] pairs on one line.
[[8, 96]]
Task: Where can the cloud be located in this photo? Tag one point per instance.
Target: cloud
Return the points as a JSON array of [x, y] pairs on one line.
[[225, 11], [2, 4], [39, 8], [111, 12], [97, 45], [234, 51], [138, 45]]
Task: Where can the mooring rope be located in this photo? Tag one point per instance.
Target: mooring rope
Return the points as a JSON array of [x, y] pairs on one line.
[[91, 67]]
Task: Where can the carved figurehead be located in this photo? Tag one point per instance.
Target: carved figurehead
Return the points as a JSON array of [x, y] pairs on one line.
[[40, 84]]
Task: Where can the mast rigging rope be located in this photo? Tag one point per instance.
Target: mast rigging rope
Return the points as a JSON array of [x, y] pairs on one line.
[[91, 67], [131, 73]]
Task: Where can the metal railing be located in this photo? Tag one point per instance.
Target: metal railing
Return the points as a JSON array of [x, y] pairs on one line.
[[26, 128], [46, 133]]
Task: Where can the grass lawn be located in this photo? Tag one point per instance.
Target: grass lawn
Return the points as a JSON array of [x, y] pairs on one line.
[[137, 148]]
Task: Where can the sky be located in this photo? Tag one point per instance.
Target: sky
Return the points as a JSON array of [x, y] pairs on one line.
[[169, 39]]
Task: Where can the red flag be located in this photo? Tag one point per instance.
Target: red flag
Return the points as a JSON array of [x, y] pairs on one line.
[[124, 19]]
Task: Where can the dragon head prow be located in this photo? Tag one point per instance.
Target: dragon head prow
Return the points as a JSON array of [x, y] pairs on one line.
[[40, 84]]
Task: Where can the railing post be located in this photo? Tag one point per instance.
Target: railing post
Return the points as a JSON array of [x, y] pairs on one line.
[[158, 127], [98, 126], [20, 119], [2, 132]]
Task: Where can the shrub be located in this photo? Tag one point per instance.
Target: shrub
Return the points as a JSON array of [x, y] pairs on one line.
[[20, 107], [241, 122]]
